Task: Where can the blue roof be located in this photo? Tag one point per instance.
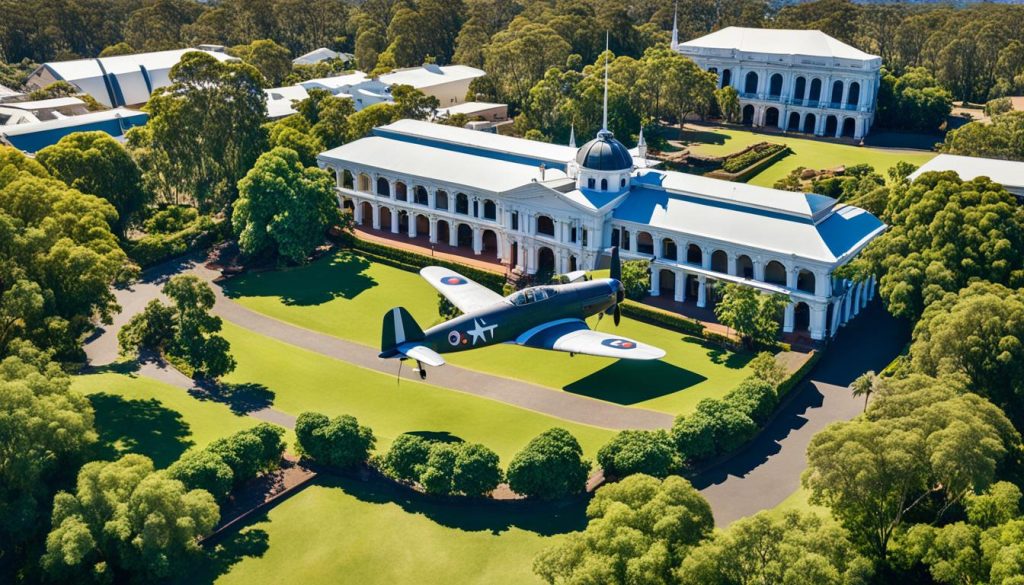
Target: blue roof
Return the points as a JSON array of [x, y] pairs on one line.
[[48, 134]]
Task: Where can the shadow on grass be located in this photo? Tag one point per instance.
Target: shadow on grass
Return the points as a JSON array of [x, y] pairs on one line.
[[629, 381], [228, 552], [733, 360], [240, 398], [125, 367], [703, 137], [437, 436], [473, 515], [139, 426], [339, 275]]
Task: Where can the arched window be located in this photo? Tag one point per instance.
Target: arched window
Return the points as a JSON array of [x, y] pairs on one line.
[[383, 187], [401, 191], [462, 203], [604, 184], [441, 200], [837, 93], [815, 94], [750, 85], [490, 210], [726, 77], [799, 88], [545, 225], [590, 183], [622, 182], [775, 85], [644, 243], [419, 195], [853, 97]]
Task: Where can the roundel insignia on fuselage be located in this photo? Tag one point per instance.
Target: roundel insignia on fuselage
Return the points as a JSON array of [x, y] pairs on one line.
[[453, 280], [454, 338], [619, 343]]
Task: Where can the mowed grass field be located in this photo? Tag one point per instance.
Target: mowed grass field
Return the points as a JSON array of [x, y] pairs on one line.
[[812, 154], [346, 296]]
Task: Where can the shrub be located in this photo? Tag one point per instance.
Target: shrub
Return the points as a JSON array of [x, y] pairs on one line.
[[439, 469], [631, 451], [998, 106], [340, 442], [550, 466], [205, 470], [156, 247], [737, 162], [636, 278], [171, 219], [405, 457], [754, 397], [655, 316], [413, 262], [242, 452], [765, 367], [477, 470], [716, 427]]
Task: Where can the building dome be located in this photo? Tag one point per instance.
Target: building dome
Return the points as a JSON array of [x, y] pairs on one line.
[[604, 153]]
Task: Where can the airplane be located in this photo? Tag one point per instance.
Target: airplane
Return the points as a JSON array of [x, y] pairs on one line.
[[544, 317]]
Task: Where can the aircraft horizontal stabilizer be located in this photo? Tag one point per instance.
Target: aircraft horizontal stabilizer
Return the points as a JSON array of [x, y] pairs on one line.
[[421, 353]]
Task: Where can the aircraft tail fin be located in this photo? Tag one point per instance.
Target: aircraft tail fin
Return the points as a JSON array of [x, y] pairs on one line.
[[399, 328]]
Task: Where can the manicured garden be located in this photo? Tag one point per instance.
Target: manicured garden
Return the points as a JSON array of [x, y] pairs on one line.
[[811, 154], [347, 296]]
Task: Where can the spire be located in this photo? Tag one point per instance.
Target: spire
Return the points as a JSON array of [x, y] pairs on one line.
[[604, 123], [572, 136], [675, 27], [641, 147]]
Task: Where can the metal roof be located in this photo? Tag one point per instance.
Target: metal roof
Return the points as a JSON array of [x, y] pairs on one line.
[[1008, 173], [777, 41]]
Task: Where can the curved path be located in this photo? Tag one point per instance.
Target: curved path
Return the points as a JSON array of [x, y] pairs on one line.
[[758, 477]]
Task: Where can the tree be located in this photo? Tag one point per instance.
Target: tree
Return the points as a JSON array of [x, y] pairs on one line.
[[999, 139], [287, 135], [327, 116], [412, 103], [864, 386], [204, 133], [922, 441], [202, 469], [715, 427], [768, 548], [550, 466], [629, 452], [518, 56], [766, 367], [976, 332], [922, 257], [272, 60], [250, 452], [636, 278], [639, 530], [117, 49], [339, 442], [124, 519], [284, 208], [753, 314], [754, 397], [913, 101], [406, 456], [61, 258], [96, 164], [47, 429], [999, 504], [476, 471], [728, 100]]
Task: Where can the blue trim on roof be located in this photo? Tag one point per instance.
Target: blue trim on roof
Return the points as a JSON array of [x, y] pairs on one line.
[[36, 141], [106, 82], [639, 198], [118, 94], [145, 77], [470, 149], [845, 228]]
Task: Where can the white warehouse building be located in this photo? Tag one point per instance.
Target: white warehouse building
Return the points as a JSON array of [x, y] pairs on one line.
[[793, 80]]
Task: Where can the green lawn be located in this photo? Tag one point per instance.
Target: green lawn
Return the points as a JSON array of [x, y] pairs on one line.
[[347, 296], [141, 415], [348, 531], [811, 154], [298, 380]]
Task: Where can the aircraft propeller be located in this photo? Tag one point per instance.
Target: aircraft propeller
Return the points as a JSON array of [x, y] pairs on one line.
[[620, 294]]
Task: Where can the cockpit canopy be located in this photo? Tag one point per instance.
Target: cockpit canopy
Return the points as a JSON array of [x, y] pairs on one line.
[[532, 295]]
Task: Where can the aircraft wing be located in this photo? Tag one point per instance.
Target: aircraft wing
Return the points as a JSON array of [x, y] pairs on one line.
[[465, 294], [574, 336]]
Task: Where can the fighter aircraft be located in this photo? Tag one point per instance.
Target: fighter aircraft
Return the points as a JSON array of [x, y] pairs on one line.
[[543, 317]]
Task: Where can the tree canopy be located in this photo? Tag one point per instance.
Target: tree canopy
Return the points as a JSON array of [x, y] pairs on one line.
[[999, 139], [753, 314], [550, 466]]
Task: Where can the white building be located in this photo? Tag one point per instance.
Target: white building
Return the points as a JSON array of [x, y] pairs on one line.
[[794, 80], [124, 80], [448, 83], [321, 54], [1008, 173], [29, 112], [545, 207]]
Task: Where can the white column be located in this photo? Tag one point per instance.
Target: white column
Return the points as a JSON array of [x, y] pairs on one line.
[[376, 216], [818, 321], [855, 300], [789, 317], [433, 230], [791, 274], [702, 293], [846, 306], [394, 221], [357, 212], [412, 226], [432, 198], [822, 284], [864, 293], [758, 269], [732, 264], [705, 257], [837, 312], [393, 190], [680, 292], [531, 259], [655, 281], [453, 234], [874, 287], [478, 241]]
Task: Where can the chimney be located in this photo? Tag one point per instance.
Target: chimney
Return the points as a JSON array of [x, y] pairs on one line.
[[542, 168]]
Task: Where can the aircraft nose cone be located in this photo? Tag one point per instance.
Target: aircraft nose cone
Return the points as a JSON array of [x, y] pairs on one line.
[[619, 290]]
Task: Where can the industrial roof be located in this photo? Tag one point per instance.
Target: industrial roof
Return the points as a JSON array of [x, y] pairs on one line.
[[52, 103], [1008, 173], [453, 167], [468, 108], [85, 68], [811, 43], [35, 136], [318, 55], [430, 75], [279, 100]]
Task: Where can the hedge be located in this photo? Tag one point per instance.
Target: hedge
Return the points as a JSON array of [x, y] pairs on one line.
[[795, 378], [414, 261], [155, 248], [744, 174], [757, 152], [661, 318]]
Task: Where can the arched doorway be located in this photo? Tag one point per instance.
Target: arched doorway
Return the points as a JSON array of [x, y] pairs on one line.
[[853, 97], [573, 263], [385, 218], [545, 261], [443, 232], [794, 122], [545, 225], [775, 85], [401, 191], [349, 205], [403, 221], [805, 281], [694, 255], [668, 249], [364, 182], [837, 93], [419, 195], [831, 125], [464, 237], [810, 122], [644, 243], [422, 224], [744, 266], [726, 77], [771, 117], [748, 115], [383, 187], [489, 241], [441, 200], [799, 88], [667, 283], [347, 180], [750, 84], [720, 261], [801, 318], [513, 261], [462, 203], [775, 273], [367, 211], [849, 127], [815, 94], [490, 210]]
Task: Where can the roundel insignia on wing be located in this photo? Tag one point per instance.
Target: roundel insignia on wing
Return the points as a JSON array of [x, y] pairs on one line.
[[453, 280], [454, 338], [619, 343]]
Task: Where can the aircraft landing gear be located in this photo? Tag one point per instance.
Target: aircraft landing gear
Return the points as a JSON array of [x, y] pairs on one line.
[[423, 371], [572, 354]]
